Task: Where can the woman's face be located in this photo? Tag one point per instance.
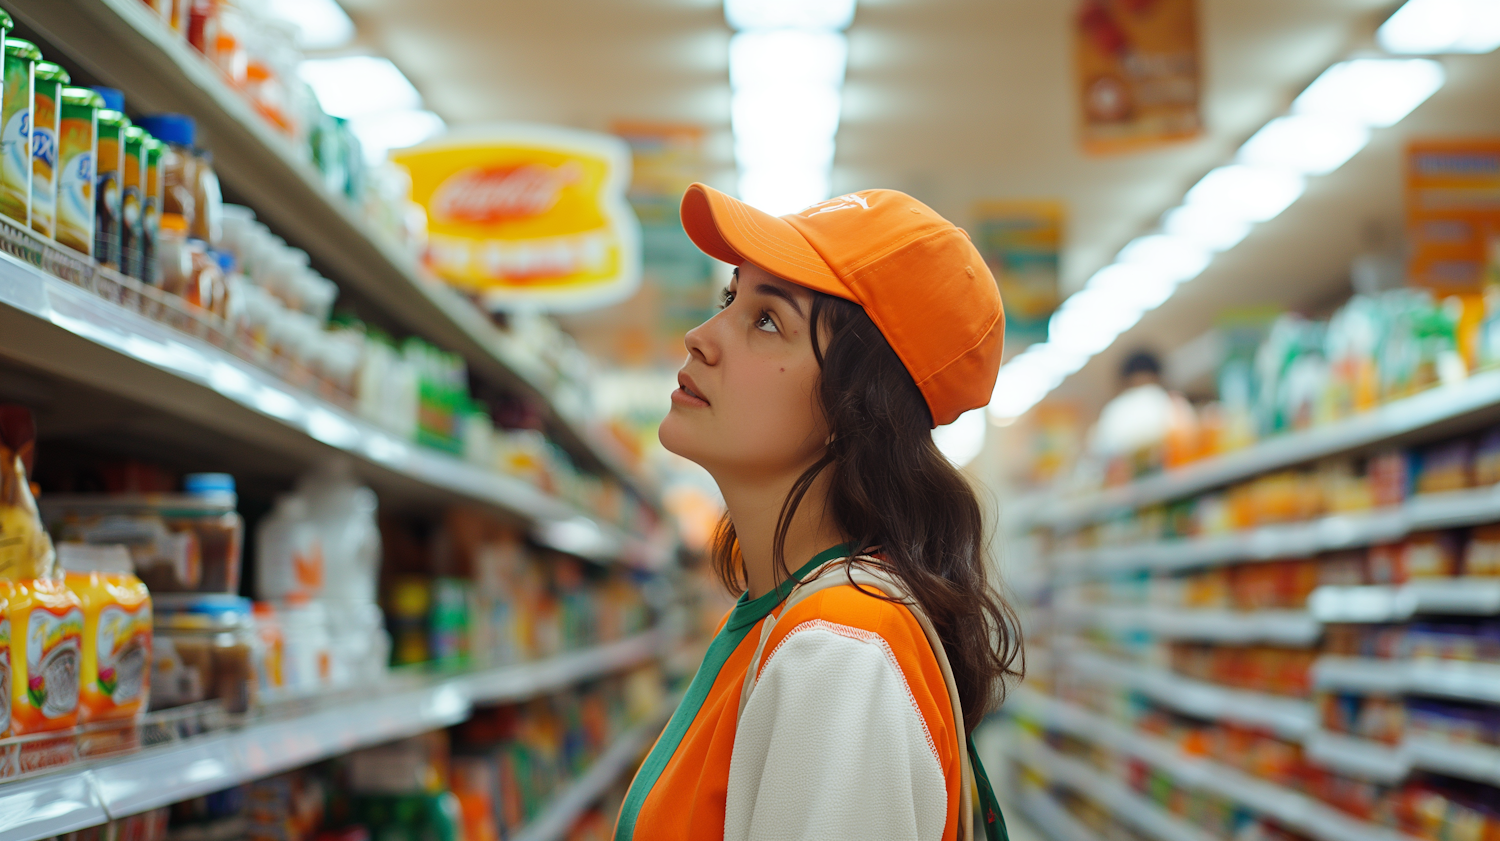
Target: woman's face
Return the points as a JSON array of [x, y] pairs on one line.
[[745, 407]]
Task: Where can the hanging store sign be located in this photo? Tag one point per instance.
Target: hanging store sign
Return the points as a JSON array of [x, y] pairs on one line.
[[1021, 241], [1138, 73], [1453, 213], [528, 217]]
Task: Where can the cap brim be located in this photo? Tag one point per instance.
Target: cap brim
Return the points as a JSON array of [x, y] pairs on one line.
[[731, 231]]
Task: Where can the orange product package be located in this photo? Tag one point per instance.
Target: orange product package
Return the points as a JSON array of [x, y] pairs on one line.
[[46, 646], [115, 669]]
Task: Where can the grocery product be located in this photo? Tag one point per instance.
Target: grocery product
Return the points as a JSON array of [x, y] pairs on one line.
[[204, 648], [46, 647], [25, 549], [76, 147], [178, 543], [321, 542], [132, 183], [15, 129], [109, 173], [115, 668], [46, 126], [151, 209]]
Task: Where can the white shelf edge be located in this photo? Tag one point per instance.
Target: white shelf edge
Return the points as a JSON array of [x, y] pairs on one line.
[[555, 821], [1430, 677], [32, 291], [1292, 540], [1290, 807], [1291, 718], [1461, 595], [92, 793], [1288, 627], [1390, 763], [1392, 420]]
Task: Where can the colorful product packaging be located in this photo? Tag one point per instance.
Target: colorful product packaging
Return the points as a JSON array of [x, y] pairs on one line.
[[46, 127], [133, 179], [78, 138], [5, 671], [15, 129], [46, 623], [109, 167], [115, 670], [151, 209]]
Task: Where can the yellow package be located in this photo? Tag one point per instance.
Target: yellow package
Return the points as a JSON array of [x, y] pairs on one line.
[[46, 644], [25, 548], [115, 670]]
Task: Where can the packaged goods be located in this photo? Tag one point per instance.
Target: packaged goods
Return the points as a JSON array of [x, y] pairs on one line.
[[178, 543], [109, 171], [1482, 554], [132, 183], [77, 141], [15, 129], [151, 210], [115, 669], [46, 127], [25, 549], [1432, 555], [321, 542], [46, 646], [204, 648]]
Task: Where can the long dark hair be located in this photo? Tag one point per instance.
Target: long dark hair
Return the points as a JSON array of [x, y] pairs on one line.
[[890, 491]]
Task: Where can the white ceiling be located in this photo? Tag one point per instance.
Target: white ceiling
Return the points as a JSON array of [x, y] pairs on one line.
[[957, 101]]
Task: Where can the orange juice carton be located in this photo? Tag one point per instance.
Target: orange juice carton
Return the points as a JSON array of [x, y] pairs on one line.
[[115, 668]]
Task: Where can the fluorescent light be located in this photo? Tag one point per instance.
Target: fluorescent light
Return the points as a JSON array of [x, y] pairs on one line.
[[1025, 380], [1375, 92], [1087, 330], [747, 15], [765, 114], [1213, 231], [788, 58], [356, 85], [380, 133], [963, 439], [782, 190], [321, 24], [1173, 258], [1134, 287], [1248, 193], [1426, 27], [1306, 144]]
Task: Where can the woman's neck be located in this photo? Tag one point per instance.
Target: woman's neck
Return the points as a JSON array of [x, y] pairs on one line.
[[755, 508]]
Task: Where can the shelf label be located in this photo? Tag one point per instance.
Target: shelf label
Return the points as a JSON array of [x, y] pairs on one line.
[[528, 217]]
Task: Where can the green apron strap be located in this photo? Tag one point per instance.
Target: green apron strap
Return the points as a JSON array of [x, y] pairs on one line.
[[987, 805]]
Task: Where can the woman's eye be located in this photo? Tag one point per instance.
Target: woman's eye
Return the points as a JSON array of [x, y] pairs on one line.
[[726, 298], [765, 323]]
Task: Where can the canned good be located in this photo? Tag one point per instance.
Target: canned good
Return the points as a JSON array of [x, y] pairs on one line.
[[46, 126], [109, 166], [15, 129], [78, 139], [132, 180]]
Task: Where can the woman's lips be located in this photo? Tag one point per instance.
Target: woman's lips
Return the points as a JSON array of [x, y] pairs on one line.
[[686, 395]]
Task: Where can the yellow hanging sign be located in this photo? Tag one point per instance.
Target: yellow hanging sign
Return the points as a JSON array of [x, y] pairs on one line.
[[528, 217]]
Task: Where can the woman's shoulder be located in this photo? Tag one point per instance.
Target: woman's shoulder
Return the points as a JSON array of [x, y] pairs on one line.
[[862, 615]]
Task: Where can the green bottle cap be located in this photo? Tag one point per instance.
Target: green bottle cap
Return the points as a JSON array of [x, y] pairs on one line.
[[135, 134], [113, 119], [46, 70], [22, 49], [82, 98], [5, 22]]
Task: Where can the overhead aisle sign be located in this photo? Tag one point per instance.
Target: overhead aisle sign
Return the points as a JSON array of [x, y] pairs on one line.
[[528, 217], [1138, 73]]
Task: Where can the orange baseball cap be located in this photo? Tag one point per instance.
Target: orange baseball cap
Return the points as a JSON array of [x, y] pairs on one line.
[[915, 273]]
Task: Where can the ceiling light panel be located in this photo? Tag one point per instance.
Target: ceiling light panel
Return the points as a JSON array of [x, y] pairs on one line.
[[1375, 92], [1429, 27], [1247, 193], [381, 132], [354, 86], [321, 24], [1306, 144], [747, 15], [787, 58]]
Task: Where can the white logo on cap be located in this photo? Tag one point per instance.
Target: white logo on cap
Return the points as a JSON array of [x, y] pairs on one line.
[[841, 203]]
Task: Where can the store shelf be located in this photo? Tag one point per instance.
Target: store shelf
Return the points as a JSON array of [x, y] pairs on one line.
[[1050, 817], [1291, 718], [563, 811], [1455, 404], [72, 333], [90, 794], [1442, 678], [1289, 807], [1294, 540], [1395, 603], [1383, 763], [1283, 627], [1126, 804], [1470, 762], [122, 43]]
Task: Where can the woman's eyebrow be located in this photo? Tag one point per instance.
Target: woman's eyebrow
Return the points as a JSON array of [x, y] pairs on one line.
[[777, 291]]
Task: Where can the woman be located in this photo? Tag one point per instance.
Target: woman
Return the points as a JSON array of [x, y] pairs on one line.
[[836, 698]]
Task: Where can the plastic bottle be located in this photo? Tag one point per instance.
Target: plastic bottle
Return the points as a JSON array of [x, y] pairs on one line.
[[174, 262], [15, 129], [208, 224], [151, 209], [115, 672], [77, 139], [109, 167], [46, 127], [178, 166], [133, 181], [46, 645]]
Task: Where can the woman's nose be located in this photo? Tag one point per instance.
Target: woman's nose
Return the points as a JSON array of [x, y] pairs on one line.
[[701, 342]]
